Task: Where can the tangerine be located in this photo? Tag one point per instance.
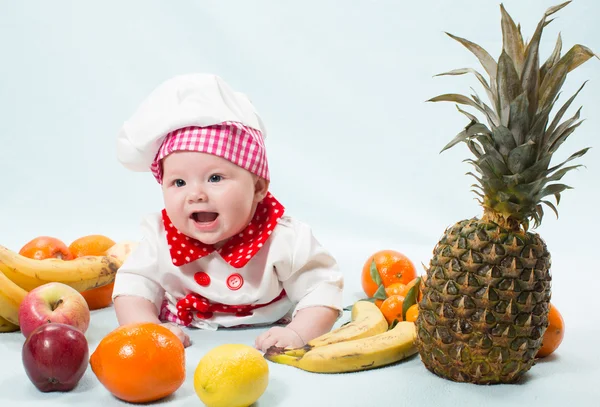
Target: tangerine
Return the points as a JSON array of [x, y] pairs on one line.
[[99, 297], [94, 245], [554, 333], [392, 308], [412, 313], [403, 289], [392, 266], [91, 245], [396, 289], [45, 247], [140, 362]]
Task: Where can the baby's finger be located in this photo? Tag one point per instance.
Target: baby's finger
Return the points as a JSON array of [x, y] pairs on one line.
[[260, 338], [187, 341], [283, 343], [268, 342]]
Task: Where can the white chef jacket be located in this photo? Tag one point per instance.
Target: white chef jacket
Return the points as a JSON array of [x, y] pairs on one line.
[[291, 259]]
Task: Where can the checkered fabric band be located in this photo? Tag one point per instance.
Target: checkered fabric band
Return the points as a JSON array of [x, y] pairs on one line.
[[243, 146]]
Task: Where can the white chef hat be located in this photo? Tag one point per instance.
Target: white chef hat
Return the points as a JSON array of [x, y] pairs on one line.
[[191, 100]]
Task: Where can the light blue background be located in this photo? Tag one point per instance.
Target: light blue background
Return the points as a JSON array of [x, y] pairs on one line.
[[341, 85]]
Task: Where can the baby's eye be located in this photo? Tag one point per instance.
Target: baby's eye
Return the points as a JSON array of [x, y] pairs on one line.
[[215, 178], [179, 183]]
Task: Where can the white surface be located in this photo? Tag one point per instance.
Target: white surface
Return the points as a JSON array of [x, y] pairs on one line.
[[353, 151]]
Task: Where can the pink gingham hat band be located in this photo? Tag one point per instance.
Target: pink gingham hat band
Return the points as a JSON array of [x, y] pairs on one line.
[[242, 145]]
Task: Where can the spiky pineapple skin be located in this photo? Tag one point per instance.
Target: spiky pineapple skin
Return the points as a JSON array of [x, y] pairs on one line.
[[485, 303]]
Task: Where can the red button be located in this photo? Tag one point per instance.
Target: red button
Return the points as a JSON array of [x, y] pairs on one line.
[[202, 278], [204, 315], [235, 281]]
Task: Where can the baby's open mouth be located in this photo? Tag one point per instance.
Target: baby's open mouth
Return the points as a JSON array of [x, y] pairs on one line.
[[204, 217]]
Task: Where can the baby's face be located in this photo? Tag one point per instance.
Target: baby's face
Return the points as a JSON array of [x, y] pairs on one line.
[[207, 197]]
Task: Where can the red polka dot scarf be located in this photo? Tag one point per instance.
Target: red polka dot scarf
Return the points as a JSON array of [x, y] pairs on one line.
[[239, 249]]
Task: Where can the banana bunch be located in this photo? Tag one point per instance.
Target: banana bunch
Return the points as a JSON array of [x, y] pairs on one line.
[[366, 320], [7, 326], [364, 343], [11, 296], [20, 274]]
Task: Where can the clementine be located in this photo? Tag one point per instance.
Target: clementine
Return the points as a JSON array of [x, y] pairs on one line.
[[94, 245], [402, 289], [91, 245], [392, 308], [99, 297], [391, 266], [140, 362], [554, 333], [396, 289], [412, 313], [45, 247]]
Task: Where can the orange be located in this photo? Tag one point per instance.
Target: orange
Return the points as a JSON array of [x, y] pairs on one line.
[[554, 333], [393, 267], [45, 247], [100, 297], [91, 245], [412, 313], [94, 245], [392, 308], [396, 289], [402, 289], [140, 362]]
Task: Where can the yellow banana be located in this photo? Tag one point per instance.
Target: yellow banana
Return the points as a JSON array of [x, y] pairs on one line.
[[11, 296], [366, 320], [82, 273], [361, 354], [7, 326]]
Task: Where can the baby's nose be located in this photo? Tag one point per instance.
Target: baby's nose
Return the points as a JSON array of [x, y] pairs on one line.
[[197, 196]]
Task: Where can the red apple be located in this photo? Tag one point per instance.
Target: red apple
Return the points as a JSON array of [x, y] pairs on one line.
[[55, 357], [53, 302]]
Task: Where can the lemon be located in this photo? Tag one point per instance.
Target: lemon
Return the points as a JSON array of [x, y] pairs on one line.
[[231, 375]]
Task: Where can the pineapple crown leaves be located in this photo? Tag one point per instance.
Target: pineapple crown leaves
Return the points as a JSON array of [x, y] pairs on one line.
[[514, 150]]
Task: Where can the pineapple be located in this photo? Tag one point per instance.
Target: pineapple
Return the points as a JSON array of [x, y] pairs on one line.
[[485, 302]]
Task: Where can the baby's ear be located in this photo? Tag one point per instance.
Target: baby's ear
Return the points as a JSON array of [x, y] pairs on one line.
[[261, 188]]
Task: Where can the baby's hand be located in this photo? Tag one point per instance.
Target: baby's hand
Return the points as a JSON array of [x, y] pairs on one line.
[[179, 332], [278, 336]]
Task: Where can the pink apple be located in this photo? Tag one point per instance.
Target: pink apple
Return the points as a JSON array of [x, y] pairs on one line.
[[53, 302], [55, 357]]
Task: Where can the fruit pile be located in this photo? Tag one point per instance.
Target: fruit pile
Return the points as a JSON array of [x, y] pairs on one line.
[[46, 247], [389, 278], [40, 295], [145, 362], [87, 265], [382, 328]]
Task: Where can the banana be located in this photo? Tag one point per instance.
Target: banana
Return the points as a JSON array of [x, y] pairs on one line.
[[366, 320], [7, 326], [82, 273], [361, 354], [11, 296]]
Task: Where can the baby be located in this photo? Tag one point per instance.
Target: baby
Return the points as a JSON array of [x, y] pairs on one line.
[[222, 253]]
